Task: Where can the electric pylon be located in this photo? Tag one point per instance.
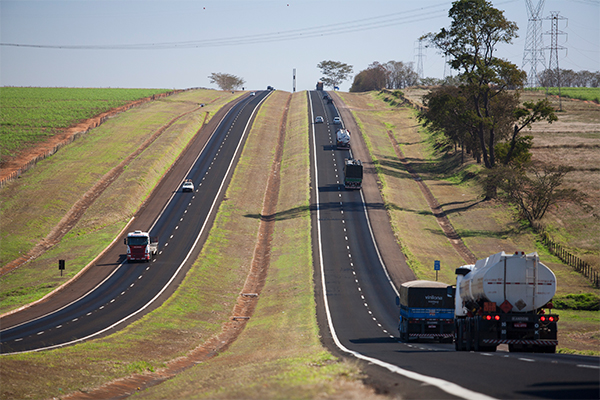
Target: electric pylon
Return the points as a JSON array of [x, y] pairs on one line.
[[533, 55]]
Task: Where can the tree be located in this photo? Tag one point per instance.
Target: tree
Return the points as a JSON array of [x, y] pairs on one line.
[[534, 191], [334, 72], [226, 81], [372, 78], [400, 75], [470, 42]]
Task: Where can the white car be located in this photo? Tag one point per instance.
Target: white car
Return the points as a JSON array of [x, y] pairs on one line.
[[188, 186], [319, 120], [337, 120]]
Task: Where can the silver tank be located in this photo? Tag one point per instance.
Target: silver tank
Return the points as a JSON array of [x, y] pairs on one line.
[[521, 279]]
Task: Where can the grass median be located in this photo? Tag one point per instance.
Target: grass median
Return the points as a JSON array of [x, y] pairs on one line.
[[279, 354]]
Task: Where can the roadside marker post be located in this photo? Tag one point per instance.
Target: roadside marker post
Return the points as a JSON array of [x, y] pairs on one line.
[[436, 267], [61, 266]]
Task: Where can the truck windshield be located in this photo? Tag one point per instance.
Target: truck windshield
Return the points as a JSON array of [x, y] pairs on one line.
[[137, 241]]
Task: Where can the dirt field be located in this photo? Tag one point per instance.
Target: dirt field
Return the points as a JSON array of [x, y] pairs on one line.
[[573, 141]]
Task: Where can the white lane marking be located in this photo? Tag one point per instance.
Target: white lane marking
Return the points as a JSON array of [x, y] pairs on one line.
[[526, 359], [588, 366], [182, 263], [446, 386]]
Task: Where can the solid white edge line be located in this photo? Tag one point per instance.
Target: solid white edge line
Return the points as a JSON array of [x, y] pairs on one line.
[[441, 384], [180, 266]]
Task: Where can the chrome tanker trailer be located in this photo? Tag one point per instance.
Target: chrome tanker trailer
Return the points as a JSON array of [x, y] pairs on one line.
[[502, 300]]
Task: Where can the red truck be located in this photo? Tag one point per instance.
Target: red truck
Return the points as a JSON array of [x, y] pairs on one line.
[[140, 246]]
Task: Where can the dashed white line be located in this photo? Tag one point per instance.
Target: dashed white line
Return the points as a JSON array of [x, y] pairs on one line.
[[588, 366]]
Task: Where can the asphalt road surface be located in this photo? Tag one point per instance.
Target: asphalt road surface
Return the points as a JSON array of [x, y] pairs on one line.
[[129, 290], [358, 315]]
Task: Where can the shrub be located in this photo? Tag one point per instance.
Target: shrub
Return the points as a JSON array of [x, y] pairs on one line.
[[582, 301]]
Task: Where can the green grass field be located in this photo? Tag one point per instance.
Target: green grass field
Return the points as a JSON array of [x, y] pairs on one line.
[[581, 93], [28, 115]]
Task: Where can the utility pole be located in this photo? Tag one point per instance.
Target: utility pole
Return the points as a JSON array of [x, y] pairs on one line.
[[554, 48], [533, 53]]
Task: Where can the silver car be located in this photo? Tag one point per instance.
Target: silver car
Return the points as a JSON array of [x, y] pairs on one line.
[[337, 120], [188, 186], [319, 120]]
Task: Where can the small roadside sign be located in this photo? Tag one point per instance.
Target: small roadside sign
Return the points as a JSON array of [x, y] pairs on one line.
[[61, 266], [436, 267]]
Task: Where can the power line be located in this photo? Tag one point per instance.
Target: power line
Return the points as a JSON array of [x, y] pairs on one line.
[[378, 22]]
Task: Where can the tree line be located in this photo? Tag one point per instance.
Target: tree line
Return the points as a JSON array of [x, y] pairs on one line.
[[569, 78], [480, 110]]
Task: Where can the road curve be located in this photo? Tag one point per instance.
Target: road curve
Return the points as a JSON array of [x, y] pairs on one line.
[[114, 293]]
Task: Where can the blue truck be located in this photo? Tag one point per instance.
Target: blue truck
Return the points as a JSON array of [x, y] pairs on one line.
[[426, 311]]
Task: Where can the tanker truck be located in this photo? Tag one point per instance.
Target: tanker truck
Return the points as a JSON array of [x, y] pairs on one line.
[[342, 139], [502, 300], [426, 311], [140, 246]]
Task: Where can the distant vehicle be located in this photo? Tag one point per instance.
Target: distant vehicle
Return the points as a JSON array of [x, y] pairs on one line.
[[319, 85], [270, 88], [426, 311], [253, 94], [353, 173], [337, 120], [319, 120], [140, 246], [342, 139], [188, 186], [325, 96]]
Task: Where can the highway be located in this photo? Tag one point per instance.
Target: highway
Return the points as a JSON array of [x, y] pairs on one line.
[[358, 316], [129, 290]]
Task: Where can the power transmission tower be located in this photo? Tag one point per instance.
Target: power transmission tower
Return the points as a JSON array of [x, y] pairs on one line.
[[420, 56], [534, 51], [554, 48]]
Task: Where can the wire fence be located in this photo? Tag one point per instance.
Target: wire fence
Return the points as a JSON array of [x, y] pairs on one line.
[[571, 260]]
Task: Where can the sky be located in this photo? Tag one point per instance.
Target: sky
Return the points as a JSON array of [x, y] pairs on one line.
[[178, 44]]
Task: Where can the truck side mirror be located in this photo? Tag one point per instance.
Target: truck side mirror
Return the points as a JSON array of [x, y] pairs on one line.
[[125, 240], [397, 300], [449, 291]]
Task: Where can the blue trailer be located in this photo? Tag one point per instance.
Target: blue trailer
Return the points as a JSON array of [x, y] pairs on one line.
[[426, 311]]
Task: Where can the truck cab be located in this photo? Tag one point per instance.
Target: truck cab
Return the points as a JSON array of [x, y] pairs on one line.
[[140, 246]]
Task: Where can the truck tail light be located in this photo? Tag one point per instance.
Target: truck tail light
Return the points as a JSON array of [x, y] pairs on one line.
[[488, 317], [543, 318], [497, 317]]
